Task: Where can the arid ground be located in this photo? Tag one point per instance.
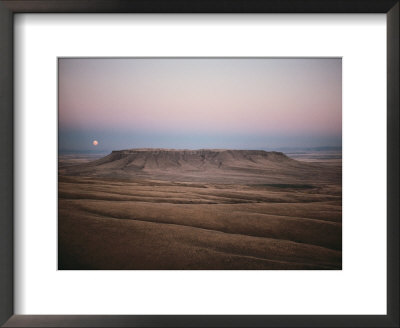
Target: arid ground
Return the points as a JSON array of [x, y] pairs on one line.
[[203, 209]]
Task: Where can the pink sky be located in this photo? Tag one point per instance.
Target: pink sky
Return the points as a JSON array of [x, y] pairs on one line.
[[202, 96]]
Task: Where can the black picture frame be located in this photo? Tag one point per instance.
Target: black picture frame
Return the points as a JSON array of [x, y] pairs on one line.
[[10, 7]]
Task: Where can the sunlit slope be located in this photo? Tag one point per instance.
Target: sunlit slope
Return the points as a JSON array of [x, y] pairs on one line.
[[119, 224]]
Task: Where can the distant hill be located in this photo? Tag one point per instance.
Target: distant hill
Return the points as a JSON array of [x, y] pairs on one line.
[[213, 165], [309, 149]]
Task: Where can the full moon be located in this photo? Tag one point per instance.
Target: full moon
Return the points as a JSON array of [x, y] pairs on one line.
[[95, 142]]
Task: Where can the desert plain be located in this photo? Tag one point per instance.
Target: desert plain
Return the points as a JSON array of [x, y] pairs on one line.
[[207, 209]]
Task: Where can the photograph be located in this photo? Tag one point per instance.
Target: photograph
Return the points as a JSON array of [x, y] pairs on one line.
[[199, 163]]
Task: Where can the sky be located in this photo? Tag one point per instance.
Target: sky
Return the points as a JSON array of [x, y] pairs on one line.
[[193, 103]]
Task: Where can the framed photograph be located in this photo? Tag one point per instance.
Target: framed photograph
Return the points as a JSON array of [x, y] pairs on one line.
[[199, 164], [206, 163]]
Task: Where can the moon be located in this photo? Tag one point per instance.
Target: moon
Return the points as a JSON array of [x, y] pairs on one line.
[[95, 142]]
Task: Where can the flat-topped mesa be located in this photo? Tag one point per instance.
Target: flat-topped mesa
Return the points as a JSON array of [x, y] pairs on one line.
[[145, 159], [200, 152], [167, 158], [212, 165]]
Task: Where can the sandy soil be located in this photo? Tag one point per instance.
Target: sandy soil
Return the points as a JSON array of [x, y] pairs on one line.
[[145, 221]]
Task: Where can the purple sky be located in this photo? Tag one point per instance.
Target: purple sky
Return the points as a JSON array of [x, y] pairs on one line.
[[199, 103]]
